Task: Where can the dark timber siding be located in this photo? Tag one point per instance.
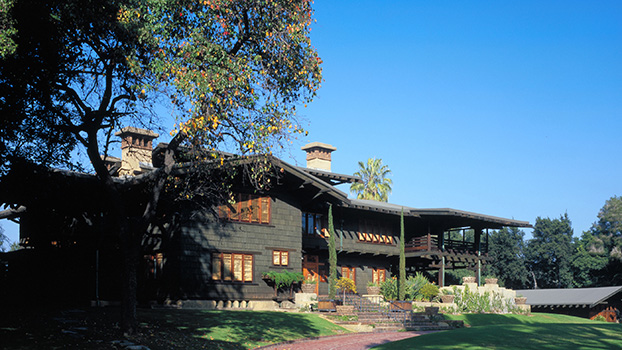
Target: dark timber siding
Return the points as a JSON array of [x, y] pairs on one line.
[[203, 235]]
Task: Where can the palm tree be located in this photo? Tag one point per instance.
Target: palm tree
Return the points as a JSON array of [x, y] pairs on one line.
[[375, 186]]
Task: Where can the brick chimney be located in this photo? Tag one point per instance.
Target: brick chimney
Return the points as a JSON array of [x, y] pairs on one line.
[[136, 149], [318, 155]]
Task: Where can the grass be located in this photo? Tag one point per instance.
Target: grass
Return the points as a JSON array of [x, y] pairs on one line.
[[160, 329], [538, 331]]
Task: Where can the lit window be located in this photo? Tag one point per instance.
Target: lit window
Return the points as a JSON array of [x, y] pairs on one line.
[[232, 267], [379, 275], [280, 258], [348, 272], [247, 208]]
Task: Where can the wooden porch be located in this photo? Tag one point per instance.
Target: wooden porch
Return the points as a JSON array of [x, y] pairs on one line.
[[430, 243]]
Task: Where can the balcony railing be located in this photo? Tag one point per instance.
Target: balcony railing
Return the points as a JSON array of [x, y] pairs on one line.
[[431, 243]]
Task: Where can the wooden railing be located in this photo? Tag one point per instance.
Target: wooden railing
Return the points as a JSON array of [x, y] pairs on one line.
[[427, 242], [430, 243]]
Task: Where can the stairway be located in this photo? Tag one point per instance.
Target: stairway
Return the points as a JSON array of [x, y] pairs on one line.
[[378, 315]]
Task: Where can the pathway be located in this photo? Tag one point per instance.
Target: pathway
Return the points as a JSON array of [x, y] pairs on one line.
[[359, 341]]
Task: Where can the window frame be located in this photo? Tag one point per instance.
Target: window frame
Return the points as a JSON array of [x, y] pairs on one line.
[[350, 272], [312, 223], [376, 273], [248, 208], [281, 254], [232, 267]]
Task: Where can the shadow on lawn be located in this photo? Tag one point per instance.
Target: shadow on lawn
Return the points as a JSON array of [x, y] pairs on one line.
[[519, 335], [231, 329]]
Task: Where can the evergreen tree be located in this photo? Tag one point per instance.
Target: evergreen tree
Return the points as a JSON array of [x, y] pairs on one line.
[[507, 260], [332, 256], [604, 242], [589, 262], [549, 253], [402, 280]]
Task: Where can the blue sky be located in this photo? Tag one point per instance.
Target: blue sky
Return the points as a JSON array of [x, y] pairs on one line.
[[506, 108]]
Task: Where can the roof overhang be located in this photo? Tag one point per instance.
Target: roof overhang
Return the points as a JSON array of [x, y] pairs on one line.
[[570, 296], [382, 207], [330, 177], [470, 218]]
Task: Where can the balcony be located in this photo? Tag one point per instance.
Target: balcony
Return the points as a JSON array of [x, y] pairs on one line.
[[430, 243]]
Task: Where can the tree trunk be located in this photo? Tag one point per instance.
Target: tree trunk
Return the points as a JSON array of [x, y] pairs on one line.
[[131, 251]]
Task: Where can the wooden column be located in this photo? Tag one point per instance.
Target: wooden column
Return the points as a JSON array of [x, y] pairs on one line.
[[441, 273], [477, 231]]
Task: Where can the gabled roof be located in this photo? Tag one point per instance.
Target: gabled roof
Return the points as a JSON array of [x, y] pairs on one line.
[[570, 296], [330, 177], [310, 179]]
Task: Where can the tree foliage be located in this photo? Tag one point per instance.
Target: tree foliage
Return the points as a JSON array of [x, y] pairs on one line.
[[72, 72], [4, 240], [376, 185], [599, 252], [507, 259], [589, 261], [332, 256], [402, 267], [233, 70], [549, 253]]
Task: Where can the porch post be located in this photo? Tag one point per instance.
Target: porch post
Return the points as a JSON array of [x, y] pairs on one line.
[[441, 273], [478, 249]]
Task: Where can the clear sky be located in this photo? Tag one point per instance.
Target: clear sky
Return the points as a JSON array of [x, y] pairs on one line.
[[505, 108]]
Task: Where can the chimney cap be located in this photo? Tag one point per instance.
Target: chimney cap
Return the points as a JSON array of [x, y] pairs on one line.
[[136, 131], [318, 145]]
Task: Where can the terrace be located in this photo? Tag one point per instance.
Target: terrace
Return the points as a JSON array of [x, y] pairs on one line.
[[430, 243]]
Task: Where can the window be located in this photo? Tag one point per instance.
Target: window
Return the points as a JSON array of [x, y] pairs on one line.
[[280, 258], [378, 275], [247, 208], [348, 272], [374, 231], [232, 267], [312, 223]]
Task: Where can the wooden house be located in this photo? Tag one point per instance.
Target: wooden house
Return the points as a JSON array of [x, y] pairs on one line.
[[194, 254]]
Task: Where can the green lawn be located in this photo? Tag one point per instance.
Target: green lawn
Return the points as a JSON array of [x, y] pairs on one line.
[[538, 331], [159, 329]]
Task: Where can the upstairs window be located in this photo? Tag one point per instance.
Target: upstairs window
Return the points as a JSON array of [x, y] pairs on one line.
[[247, 208], [374, 231], [312, 223]]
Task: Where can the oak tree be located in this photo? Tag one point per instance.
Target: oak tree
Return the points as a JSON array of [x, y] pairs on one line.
[[72, 72]]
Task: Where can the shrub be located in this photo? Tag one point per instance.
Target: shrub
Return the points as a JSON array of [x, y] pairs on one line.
[[600, 318], [388, 288], [488, 302], [346, 285], [284, 278], [414, 285], [429, 291]]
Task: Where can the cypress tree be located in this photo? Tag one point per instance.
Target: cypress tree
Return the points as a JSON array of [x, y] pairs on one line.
[[332, 256], [402, 280]]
